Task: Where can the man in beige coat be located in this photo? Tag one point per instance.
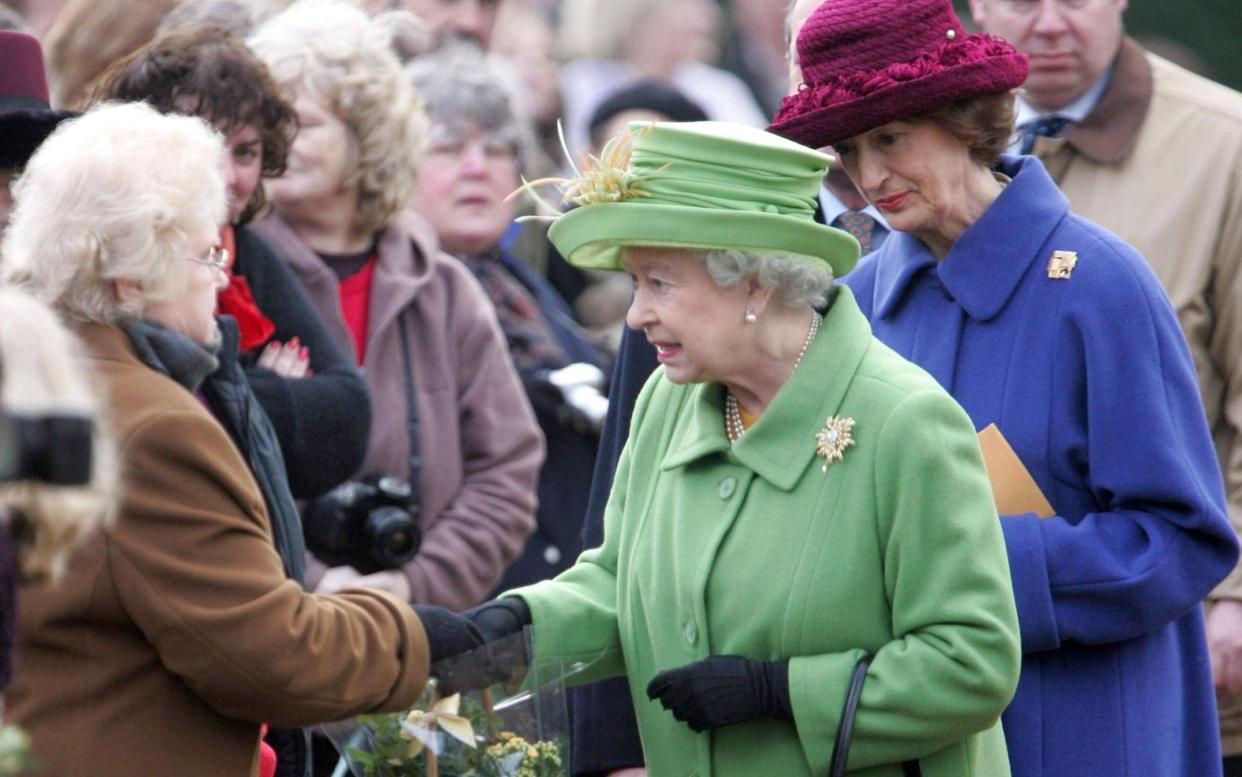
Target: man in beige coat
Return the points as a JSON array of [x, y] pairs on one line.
[[1153, 153]]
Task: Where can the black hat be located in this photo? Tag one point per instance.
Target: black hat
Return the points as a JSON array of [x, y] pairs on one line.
[[649, 96]]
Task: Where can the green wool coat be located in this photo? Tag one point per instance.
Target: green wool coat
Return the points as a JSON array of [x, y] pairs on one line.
[[755, 550]]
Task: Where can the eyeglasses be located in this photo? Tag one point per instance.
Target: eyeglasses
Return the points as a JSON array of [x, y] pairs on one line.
[[216, 257]]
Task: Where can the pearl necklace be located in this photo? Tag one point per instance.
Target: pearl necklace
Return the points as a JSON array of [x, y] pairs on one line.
[[734, 428]]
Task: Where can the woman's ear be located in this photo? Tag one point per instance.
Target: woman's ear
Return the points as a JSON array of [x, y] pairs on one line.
[[129, 293], [757, 295]]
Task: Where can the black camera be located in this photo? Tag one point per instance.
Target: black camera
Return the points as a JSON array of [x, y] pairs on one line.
[[370, 526], [52, 449]]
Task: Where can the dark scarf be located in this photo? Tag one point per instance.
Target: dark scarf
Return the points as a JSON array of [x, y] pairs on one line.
[[531, 340], [171, 353]]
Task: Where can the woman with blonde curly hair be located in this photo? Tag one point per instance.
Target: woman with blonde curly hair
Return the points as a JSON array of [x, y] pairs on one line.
[[450, 414]]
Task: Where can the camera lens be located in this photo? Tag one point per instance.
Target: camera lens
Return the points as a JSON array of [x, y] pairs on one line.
[[392, 536]]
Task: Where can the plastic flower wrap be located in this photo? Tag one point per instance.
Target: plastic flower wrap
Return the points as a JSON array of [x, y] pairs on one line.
[[516, 726]]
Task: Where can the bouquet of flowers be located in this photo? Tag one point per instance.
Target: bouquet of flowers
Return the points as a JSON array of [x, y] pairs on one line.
[[516, 727]]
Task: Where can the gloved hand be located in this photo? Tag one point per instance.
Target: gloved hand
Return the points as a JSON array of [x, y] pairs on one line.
[[448, 634], [502, 661], [499, 618], [723, 690]]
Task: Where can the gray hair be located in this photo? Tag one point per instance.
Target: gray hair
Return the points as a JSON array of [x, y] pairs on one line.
[[797, 280], [463, 90], [117, 193]]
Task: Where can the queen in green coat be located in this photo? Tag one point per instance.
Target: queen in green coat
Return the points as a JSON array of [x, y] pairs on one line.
[[799, 512]]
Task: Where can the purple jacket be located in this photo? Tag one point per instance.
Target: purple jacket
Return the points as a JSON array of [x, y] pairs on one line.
[[481, 446]]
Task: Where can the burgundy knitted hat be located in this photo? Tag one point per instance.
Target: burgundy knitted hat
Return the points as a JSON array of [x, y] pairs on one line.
[[868, 62], [26, 119]]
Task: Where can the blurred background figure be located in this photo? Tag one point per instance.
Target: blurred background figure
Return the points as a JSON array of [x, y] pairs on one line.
[[44, 514], [475, 158], [89, 35], [755, 48], [307, 385], [524, 45], [37, 16], [239, 16], [469, 20], [1124, 132], [168, 641], [451, 423], [609, 45]]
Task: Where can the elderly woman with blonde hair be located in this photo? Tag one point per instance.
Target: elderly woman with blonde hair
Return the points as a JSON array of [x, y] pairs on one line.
[[414, 319], [175, 632]]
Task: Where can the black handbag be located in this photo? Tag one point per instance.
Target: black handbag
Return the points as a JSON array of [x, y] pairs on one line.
[[845, 731]]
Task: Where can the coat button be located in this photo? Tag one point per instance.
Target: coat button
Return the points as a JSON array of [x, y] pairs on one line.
[[692, 633], [727, 487], [552, 554]]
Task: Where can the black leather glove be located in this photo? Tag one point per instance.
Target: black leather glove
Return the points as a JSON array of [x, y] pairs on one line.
[[723, 690], [448, 633], [503, 661], [499, 618]]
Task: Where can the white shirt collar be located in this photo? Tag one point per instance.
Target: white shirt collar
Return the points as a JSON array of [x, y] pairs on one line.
[[833, 207], [1075, 111]]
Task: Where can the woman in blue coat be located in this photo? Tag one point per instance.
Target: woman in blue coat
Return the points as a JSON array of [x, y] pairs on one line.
[[1056, 331]]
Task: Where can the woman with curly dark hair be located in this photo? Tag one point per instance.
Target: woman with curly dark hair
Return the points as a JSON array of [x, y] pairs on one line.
[[306, 384]]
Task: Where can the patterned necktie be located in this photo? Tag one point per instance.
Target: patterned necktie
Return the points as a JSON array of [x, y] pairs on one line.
[[1045, 126], [860, 225]]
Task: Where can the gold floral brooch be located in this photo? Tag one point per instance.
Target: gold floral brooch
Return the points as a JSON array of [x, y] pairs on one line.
[[833, 439]]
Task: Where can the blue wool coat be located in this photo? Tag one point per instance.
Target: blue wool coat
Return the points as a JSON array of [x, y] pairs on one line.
[[1091, 382]]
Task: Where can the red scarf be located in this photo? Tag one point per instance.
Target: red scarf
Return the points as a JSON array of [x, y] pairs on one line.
[[237, 301]]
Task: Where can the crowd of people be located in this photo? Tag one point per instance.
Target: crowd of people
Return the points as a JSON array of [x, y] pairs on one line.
[[342, 337]]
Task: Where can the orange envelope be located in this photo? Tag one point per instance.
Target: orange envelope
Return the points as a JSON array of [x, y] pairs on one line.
[[1012, 485]]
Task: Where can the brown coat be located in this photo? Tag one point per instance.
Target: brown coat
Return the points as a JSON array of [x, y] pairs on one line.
[[175, 632], [481, 445], [1159, 162]]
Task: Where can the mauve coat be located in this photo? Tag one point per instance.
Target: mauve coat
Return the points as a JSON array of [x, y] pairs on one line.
[[753, 549], [175, 632], [481, 446], [1091, 381]]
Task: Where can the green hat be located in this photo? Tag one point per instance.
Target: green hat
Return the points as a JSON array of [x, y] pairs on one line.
[[700, 185]]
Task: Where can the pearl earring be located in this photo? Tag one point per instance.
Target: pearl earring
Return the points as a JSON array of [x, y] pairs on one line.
[[751, 317]]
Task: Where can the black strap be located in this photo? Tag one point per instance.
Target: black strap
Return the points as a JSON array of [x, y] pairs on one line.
[[411, 404], [845, 731]]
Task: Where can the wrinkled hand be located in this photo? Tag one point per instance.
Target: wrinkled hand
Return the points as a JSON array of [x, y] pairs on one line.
[[1224, 635], [393, 581], [291, 360], [723, 690]]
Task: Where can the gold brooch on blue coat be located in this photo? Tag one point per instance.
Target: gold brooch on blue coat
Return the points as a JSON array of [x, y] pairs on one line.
[[1061, 265], [833, 439]]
